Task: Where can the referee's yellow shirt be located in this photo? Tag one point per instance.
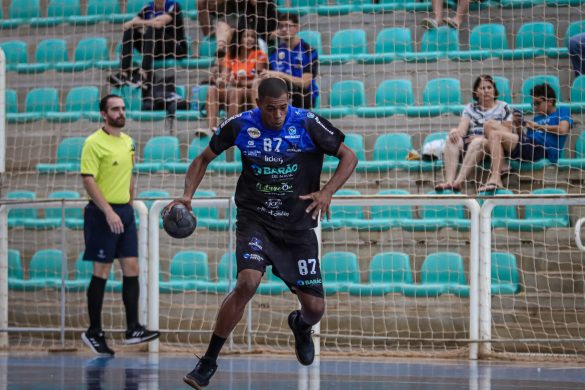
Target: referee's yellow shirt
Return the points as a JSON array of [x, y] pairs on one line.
[[109, 159]]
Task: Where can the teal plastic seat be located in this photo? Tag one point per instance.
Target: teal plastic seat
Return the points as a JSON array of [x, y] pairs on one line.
[[397, 5], [339, 271], [8, 23], [18, 217], [114, 64], [52, 219], [389, 273], [87, 53], [577, 104], [58, 12], [384, 218], [353, 141], [313, 38], [532, 40], [342, 7], [343, 216], [392, 44], [206, 51], [15, 272], [132, 98], [24, 10], [345, 98], [392, 97], [80, 101], [198, 144], [518, 4], [187, 270], [158, 151], [47, 54], [188, 8], [346, 45], [440, 96], [15, 53], [222, 285], [426, 166], [44, 271], [578, 162], [303, 7], [436, 44], [68, 157], [574, 28], [504, 274], [83, 274], [208, 217], [132, 9], [533, 81], [390, 151], [97, 11], [437, 217], [542, 217], [441, 273], [273, 284], [38, 102], [500, 214], [504, 90], [485, 41]]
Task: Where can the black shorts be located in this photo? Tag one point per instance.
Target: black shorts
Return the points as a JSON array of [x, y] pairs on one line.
[[101, 244], [527, 150], [293, 254]]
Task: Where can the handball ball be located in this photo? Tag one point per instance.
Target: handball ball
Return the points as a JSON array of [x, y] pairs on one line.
[[179, 222]]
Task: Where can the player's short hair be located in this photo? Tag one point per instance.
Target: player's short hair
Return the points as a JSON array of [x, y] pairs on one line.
[[272, 87], [544, 90], [105, 99], [477, 82], [288, 17]]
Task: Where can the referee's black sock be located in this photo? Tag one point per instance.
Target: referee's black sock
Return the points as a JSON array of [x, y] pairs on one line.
[[130, 294], [215, 346], [95, 301]]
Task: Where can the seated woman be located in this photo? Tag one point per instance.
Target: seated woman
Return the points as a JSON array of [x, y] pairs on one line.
[[469, 138], [237, 71]]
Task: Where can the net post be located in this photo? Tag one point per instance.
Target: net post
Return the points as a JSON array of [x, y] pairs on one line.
[[153, 270], [143, 264], [485, 303], [317, 326], [474, 261], [2, 112], [3, 275]]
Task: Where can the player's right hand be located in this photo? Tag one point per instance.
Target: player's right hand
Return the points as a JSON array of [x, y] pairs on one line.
[[184, 201], [115, 223]]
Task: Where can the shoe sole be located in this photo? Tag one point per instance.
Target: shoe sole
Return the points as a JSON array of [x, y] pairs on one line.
[[296, 351], [141, 340], [90, 345], [192, 383]]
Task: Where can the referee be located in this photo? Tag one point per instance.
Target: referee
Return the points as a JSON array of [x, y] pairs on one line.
[[109, 227]]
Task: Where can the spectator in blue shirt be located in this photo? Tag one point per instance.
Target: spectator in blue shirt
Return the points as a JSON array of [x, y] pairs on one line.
[[577, 53], [544, 136], [294, 61]]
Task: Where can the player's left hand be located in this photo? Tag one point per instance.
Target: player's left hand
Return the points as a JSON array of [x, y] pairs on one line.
[[320, 204]]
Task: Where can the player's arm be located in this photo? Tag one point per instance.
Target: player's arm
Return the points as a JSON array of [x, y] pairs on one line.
[[113, 219]]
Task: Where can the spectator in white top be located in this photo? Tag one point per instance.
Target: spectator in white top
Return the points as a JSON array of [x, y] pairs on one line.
[[469, 138]]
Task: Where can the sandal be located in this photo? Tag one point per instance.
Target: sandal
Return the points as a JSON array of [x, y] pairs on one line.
[[430, 23], [451, 23], [444, 186], [489, 187]]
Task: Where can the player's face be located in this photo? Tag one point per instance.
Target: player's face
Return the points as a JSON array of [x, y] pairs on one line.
[[273, 111], [115, 115]]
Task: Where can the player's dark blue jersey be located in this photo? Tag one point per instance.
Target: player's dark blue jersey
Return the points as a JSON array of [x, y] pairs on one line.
[[278, 165]]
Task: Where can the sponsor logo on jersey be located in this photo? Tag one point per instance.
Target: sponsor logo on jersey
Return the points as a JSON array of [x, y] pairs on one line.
[[251, 144], [308, 282], [274, 213], [253, 132], [256, 244], [252, 153], [310, 115], [292, 130], [228, 120], [253, 256], [273, 159], [323, 126], [273, 203], [278, 188], [288, 169]]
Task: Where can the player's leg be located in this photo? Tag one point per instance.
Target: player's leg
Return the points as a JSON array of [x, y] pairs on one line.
[[301, 322]]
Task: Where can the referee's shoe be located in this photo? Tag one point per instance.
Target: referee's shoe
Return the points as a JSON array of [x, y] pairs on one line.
[[201, 374], [304, 347], [96, 341], [139, 334]]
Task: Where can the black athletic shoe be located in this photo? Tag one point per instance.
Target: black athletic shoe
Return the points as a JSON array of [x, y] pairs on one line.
[[140, 335], [201, 374], [135, 79], [96, 341], [304, 347], [118, 80]]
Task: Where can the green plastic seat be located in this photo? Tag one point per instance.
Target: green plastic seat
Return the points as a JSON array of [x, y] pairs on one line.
[[342, 7], [15, 53], [504, 90], [578, 162], [303, 7], [343, 216], [11, 104], [440, 96], [389, 273], [436, 44], [564, 3], [38, 102], [313, 38], [392, 97], [532, 40], [207, 47], [542, 217], [24, 10], [188, 8], [97, 11], [187, 270], [485, 41], [83, 274], [574, 28], [345, 98], [18, 217], [273, 284], [504, 274], [346, 45], [500, 214], [198, 144], [58, 12], [427, 166], [353, 141], [52, 219], [223, 284], [577, 104], [158, 151], [533, 81], [44, 271], [8, 23], [437, 217], [15, 272], [390, 151], [87, 53], [392, 44], [518, 4], [132, 97], [80, 101], [384, 218], [441, 273], [68, 157], [47, 54], [339, 271], [132, 9], [397, 5]]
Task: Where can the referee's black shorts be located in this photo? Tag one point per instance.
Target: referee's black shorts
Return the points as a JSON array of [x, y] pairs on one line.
[[101, 244]]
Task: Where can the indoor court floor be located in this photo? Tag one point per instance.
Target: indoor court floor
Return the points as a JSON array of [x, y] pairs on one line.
[[260, 372]]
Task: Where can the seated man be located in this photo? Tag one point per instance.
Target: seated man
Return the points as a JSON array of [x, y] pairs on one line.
[[545, 136], [295, 62], [157, 32]]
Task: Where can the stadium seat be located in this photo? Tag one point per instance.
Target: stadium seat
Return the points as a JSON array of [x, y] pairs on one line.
[[8, 23], [313, 38], [436, 217], [504, 90], [426, 166], [44, 271], [342, 7], [392, 44], [47, 54], [38, 102], [532, 40], [208, 217], [436, 44], [392, 97], [83, 274], [484, 41], [273, 284], [87, 53], [345, 97], [58, 12], [577, 104], [440, 96], [132, 98], [68, 157], [346, 45], [132, 9], [441, 273], [18, 217], [114, 64], [578, 161], [97, 11], [223, 285], [516, 4], [80, 101], [303, 7], [384, 217], [187, 270], [500, 214], [574, 28], [396, 5], [533, 81], [23, 10], [189, 8], [197, 107], [339, 270], [390, 151], [15, 272], [543, 216], [504, 274], [343, 216], [353, 141], [389, 273], [158, 151], [15, 52], [52, 220], [198, 144]]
